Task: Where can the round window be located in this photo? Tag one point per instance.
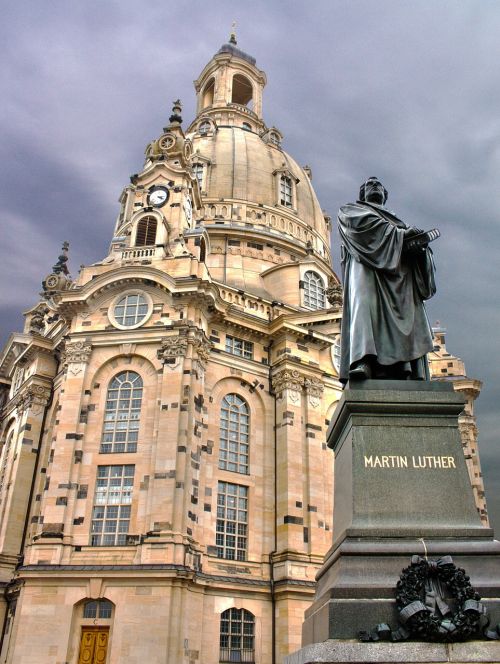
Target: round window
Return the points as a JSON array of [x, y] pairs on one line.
[[130, 310]]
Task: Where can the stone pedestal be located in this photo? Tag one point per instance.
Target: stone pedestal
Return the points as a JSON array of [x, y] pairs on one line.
[[401, 488]]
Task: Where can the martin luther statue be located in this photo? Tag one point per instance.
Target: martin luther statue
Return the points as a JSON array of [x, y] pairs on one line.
[[388, 272]]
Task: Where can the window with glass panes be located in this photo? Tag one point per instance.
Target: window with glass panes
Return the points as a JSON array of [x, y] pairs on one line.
[[286, 190], [198, 173], [112, 504], [237, 636], [314, 291], [239, 346], [234, 434], [100, 608], [232, 521], [122, 414], [131, 309]]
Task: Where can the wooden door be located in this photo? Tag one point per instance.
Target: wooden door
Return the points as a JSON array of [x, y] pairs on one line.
[[94, 645]]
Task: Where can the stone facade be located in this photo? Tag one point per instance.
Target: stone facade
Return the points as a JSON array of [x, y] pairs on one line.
[[445, 366], [165, 487]]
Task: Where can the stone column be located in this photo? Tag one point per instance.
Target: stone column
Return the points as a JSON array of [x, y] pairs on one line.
[[62, 477]]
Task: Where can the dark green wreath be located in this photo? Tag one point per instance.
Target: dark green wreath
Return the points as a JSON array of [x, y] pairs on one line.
[[422, 622]]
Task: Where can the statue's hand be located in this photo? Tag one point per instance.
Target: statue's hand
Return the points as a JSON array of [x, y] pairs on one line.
[[412, 230]]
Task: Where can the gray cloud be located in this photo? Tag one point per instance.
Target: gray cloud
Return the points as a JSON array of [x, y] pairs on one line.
[[405, 91]]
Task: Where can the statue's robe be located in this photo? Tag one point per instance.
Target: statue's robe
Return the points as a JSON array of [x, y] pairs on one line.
[[384, 290]]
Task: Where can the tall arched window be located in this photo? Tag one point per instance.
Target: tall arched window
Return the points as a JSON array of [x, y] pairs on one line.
[[208, 93], [146, 232], [242, 92], [234, 434], [237, 636], [121, 417], [314, 291]]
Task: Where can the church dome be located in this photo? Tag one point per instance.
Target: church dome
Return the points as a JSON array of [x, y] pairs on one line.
[[248, 168], [258, 203]]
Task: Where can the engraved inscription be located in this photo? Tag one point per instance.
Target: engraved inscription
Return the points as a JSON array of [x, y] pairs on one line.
[[418, 462]]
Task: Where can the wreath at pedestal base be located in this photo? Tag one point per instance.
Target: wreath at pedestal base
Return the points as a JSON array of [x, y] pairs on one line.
[[424, 612]]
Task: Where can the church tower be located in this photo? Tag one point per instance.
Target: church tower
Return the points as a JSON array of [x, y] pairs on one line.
[[165, 494]]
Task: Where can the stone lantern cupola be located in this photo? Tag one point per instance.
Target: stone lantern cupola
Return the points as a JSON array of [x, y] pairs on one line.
[[229, 88]]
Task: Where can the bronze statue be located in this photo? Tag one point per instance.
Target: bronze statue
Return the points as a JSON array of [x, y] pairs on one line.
[[388, 272]]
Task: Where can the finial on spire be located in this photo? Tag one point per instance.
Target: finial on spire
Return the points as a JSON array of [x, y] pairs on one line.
[[61, 266], [232, 36], [176, 112]]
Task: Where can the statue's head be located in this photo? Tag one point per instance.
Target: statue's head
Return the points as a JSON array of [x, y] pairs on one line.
[[373, 191]]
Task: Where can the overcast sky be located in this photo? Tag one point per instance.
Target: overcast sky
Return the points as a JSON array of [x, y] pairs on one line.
[[407, 91]]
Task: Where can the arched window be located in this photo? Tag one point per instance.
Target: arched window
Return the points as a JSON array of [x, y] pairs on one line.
[[286, 190], [314, 291], [242, 90], [234, 434], [122, 413], [146, 232], [208, 93], [237, 636], [101, 608], [247, 126]]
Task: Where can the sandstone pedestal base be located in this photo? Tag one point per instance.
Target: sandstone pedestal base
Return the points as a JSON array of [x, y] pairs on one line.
[[343, 652]]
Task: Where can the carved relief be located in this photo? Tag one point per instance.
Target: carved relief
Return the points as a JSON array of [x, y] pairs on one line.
[[334, 293], [288, 380], [314, 388], [77, 351], [172, 347], [34, 398], [202, 348]]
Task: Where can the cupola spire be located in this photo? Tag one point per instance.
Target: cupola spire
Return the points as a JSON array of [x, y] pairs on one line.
[[232, 36]]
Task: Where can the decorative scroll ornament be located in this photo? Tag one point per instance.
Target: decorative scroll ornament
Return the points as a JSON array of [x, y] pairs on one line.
[[334, 294], [424, 611], [172, 347], [34, 397], [314, 388], [288, 380]]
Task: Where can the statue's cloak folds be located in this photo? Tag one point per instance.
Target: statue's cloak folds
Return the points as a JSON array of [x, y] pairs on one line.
[[384, 289]]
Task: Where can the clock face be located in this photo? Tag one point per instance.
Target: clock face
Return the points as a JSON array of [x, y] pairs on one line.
[[158, 196]]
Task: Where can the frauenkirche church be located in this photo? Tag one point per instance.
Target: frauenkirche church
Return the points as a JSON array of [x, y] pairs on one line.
[[165, 487]]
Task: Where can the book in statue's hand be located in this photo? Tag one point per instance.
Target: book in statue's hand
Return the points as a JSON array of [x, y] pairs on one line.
[[421, 239]]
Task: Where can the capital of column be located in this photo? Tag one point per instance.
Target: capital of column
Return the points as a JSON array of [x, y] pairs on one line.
[[76, 352], [34, 397]]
